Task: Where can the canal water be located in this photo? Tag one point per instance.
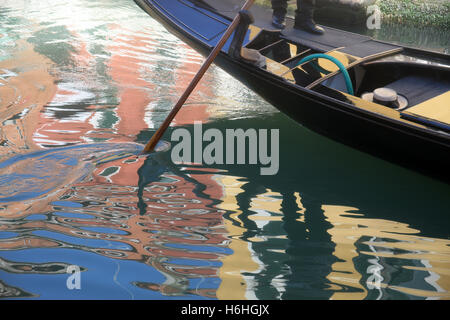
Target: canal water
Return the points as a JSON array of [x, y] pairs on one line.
[[83, 84]]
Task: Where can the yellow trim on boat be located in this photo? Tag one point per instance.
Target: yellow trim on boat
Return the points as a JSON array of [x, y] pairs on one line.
[[378, 108], [344, 58], [279, 70], [254, 31], [293, 49], [436, 109]]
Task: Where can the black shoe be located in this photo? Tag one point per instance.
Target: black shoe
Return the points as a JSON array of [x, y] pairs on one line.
[[279, 22], [308, 25]]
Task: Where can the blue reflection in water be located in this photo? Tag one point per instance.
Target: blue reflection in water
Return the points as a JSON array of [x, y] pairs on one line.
[[66, 204], [93, 284], [76, 241], [73, 215], [53, 168], [7, 234], [102, 223], [36, 217]]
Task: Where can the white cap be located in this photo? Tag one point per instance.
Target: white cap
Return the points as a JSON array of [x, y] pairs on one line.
[[385, 95]]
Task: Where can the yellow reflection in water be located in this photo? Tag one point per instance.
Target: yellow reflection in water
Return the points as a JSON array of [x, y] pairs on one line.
[[390, 236], [233, 285], [267, 207]]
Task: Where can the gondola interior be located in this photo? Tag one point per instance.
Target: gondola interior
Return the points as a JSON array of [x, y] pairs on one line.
[[420, 87]]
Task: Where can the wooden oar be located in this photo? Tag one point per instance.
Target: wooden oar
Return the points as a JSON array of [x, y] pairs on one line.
[[159, 133]]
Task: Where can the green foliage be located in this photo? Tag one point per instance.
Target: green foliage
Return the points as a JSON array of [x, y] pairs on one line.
[[434, 13]]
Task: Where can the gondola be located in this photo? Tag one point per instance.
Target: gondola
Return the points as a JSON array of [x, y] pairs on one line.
[[385, 99]]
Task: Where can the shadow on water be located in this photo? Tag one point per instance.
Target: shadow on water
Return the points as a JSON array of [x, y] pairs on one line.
[[328, 172], [332, 201]]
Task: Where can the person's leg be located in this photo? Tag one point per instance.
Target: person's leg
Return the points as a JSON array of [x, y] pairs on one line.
[[279, 8], [304, 17]]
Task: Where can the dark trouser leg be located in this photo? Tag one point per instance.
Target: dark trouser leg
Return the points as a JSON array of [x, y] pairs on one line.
[[279, 8], [304, 17], [305, 7]]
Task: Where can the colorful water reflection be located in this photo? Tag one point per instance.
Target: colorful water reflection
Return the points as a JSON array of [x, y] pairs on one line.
[[76, 75]]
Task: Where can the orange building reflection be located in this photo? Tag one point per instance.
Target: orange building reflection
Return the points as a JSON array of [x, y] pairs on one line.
[[166, 211]]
